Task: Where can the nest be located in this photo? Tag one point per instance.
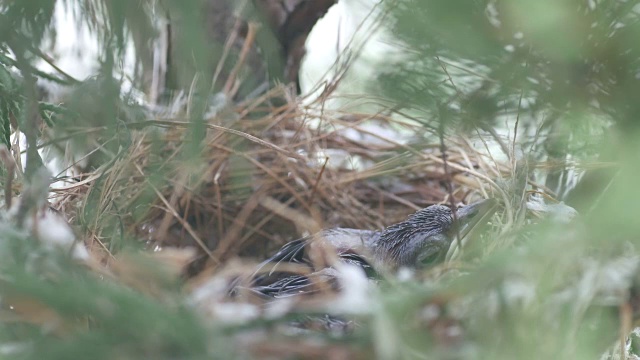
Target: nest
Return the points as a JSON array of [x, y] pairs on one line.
[[264, 173]]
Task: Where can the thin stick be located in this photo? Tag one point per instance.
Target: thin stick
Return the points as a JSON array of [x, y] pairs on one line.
[[8, 161], [626, 315], [174, 124], [175, 214], [315, 185], [229, 88], [515, 130], [447, 174], [225, 51]]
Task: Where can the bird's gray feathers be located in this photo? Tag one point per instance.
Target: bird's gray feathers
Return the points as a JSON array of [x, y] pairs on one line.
[[353, 240], [425, 234], [423, 238]]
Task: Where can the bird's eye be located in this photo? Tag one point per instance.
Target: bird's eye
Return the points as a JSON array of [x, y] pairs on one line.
[[432, 258]]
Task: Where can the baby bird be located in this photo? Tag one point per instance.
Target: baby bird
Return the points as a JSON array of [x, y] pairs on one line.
[[421, 240]]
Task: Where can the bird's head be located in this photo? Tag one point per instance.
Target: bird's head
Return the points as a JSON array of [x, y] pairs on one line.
[[426, 235]]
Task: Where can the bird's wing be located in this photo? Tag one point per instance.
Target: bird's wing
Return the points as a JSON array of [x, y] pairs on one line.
[[348, 243], [273, 280], [286, 286], [354, 239], [291, 252]]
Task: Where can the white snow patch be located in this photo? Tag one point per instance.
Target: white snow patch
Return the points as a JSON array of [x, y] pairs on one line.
[[355, 295]]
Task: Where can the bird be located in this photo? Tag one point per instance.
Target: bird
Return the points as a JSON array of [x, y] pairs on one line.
[[422, 239]]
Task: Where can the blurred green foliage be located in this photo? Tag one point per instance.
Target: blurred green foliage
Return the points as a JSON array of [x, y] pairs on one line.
[[562, 56], [100, 318], [567, 70]]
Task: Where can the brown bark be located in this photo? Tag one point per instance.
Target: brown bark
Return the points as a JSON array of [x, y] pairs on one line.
[[282, 29]]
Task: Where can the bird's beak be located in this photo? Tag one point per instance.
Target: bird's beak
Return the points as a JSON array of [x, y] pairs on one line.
[[471, 215]]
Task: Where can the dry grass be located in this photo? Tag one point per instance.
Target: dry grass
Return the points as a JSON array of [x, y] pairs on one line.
[[263, 177]]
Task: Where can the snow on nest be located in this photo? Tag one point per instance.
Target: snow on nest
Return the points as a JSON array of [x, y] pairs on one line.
[[355, 296], [211, 298], [560, 212], [52, 230]]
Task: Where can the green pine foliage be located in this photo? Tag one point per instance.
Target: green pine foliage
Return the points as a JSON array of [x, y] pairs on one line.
[[566, 71]]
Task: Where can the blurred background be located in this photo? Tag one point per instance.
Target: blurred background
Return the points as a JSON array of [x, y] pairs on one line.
[[154, 151]]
